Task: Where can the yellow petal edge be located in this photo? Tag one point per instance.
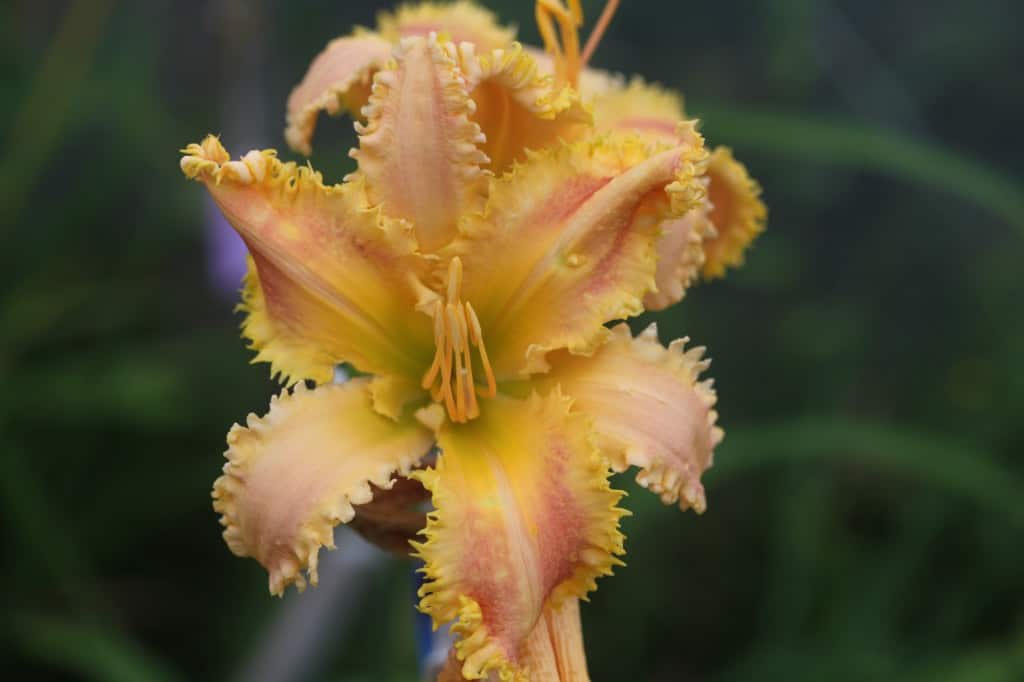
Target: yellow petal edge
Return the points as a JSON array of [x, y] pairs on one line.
[[737, 212]]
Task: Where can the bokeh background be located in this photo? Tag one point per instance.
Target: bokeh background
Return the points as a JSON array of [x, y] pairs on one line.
[[866, 511]]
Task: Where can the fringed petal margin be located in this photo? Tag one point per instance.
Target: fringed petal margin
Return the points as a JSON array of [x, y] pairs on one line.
[[337, 80], [518, 106], [331, 277], [648, 410], [737, 212], [458, 22], [566, 244], [524, 520], [419, 149], [294, 474]]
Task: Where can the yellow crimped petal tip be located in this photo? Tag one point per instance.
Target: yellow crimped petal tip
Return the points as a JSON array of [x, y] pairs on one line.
[[737, 212]]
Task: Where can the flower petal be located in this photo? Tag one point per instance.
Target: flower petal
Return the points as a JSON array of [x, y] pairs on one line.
[[418, 149], [639, 107], [337, 80], [565, 245], [737, 212], [680, 256], [329, 281], [457, 22], [553, 652], [294, 474], [518, 106], [648, 410], [524, 518]]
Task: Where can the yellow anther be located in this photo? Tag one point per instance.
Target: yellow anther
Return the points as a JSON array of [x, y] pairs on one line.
[[454, 279], [457, 331]]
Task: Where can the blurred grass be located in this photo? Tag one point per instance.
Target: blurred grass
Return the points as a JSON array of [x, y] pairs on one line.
[[89, 652], [808, 140], [956, 469]]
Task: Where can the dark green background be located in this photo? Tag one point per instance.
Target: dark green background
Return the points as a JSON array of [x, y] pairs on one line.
[[865, 514]]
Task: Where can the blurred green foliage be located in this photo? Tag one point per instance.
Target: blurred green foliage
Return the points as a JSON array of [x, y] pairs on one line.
[[867, 507]]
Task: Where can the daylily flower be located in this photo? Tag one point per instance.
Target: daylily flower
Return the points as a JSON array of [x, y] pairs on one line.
[[468, 269]]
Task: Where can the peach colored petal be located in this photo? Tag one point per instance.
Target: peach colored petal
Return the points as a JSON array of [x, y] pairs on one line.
[[297, 472], [524, 518], [328, 280], [419, 150], [648, 409], [337, 80], [566, 244]]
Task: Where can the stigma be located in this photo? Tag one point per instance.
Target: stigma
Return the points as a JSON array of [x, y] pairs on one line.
[[457, 332]]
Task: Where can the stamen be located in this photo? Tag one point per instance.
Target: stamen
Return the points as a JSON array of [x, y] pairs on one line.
[[598, 31], [476, 335], [565, 49], [564, 46], [456, 332]]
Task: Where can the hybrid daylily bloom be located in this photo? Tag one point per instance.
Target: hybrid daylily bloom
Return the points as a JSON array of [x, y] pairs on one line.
[[469, 269]]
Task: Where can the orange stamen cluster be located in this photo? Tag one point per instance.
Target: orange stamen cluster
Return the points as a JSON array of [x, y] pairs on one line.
[[563, 44], [456, 332]]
